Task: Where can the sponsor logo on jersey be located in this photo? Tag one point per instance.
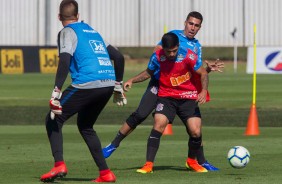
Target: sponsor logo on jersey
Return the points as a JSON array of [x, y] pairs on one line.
[[189, 95], [106, 71], [103, 61], [162, 58], [191, 56], [49, 60], [274, 61], [97, 47], [180, 57], [176, 81], [191, 44], [107, 80], [89, 31], [12, 61]]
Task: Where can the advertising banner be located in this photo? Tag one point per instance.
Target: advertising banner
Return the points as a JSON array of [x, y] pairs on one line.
[[49, 60], [12, 61], [268, 60], [28, 59]]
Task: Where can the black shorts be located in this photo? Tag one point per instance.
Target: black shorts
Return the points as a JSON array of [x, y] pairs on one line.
[[184, 108], [87, 103]]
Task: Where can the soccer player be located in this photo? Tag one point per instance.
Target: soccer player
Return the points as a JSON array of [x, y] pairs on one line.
[[148, 102], [177, 94], [83, 53]]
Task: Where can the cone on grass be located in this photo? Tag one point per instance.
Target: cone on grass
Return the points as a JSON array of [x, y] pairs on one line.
[[168, 130], [252, 126]]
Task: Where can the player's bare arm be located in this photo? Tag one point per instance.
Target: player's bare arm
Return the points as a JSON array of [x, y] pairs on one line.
[[205, 81], [146, 74]]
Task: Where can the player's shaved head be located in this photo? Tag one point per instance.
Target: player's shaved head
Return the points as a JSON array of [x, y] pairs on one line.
[[68, 10]]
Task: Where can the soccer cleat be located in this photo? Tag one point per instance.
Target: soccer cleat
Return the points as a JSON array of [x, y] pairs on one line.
[[209, 166], [206, 165], [110, 177], [108, 150], [56, 172], [147, 168], [194, 165]]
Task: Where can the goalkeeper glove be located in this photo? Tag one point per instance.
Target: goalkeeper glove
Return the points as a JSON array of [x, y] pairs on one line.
[[119, 96], [54, 103]]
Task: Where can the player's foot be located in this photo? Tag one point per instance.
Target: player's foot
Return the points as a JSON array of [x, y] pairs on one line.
[[209, 166], [108, 150], [109, 177], [56, 172], [194, 165], [147, 168]]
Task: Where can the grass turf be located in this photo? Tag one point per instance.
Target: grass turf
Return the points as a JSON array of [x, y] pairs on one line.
[[24, 98], [25, 151], [25, 156]]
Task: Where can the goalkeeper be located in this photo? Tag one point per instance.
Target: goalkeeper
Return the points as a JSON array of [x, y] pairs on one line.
[[85, 55]]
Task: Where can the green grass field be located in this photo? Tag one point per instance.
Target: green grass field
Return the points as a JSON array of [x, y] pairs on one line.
[[25, 151], [25, 155], [24, 98]]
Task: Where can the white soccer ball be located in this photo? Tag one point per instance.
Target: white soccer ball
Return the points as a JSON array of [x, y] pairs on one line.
[[238, 157]]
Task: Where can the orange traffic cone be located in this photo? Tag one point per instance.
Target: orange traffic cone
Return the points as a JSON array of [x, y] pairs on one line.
[[252, 126], [168, 129]]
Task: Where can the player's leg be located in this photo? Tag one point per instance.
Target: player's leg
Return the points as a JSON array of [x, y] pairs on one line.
[[203, 162], [153, 142], [54, 131], [146, 106], [165, 113], [201, 157], [86, 118], [194, 144], [189, 113]]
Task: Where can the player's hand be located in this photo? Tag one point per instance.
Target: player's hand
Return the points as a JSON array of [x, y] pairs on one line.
[[215, 66], [119, 97], [54, 103], [202, 97], [127, 85]]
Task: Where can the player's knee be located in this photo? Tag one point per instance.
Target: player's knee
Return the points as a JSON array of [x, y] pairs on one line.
[[52, 125], [160, 127], [135, 119], [195, 133], [86, 131]]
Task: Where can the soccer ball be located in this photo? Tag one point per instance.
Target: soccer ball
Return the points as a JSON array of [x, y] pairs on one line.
[[238, 157]]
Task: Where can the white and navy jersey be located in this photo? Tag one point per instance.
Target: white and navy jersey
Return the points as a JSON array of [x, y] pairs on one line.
[[188, 43], [90, 65]]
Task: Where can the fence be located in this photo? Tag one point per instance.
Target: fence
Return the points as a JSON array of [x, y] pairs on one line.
[[133, 23]]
